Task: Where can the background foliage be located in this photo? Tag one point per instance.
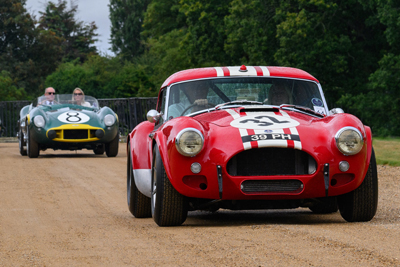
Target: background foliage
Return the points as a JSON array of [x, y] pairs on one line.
[[351, 46]]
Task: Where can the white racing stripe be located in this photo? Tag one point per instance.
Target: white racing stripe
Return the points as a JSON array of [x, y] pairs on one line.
[[220, 72], [293, 130], [234, 114], [235, 71], [265, 71], [276, 137]]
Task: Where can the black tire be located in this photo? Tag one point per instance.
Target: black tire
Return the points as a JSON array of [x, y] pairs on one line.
[[31, 146], [168, 206], [112, 147], [325, 206], [99, 149], [22, 143], [361, 204], [139, 205]]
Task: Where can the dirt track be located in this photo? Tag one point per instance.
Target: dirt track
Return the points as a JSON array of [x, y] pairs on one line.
[[69, 209]]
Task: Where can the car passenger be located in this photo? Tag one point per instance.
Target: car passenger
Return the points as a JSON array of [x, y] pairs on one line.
[[278, 94], [79, 97], [301, 97]]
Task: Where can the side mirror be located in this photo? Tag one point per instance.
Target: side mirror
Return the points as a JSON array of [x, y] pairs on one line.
[[336, 111], [153, 116]]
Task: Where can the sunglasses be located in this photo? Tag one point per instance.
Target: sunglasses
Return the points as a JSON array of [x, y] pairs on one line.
[[51, 93], [78, 94]]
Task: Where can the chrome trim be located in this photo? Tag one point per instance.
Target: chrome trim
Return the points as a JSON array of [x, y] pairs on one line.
[[143, 181], [180, 135], [338, 133]]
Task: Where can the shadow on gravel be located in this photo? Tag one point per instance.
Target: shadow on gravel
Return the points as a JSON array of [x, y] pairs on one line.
[[300, 216], [72, 156]]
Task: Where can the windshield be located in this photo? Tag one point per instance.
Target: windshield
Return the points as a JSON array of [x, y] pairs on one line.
[[66, 99], [189, 97]]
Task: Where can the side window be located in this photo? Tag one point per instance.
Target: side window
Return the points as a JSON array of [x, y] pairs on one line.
[[178, 101], [161, 107]]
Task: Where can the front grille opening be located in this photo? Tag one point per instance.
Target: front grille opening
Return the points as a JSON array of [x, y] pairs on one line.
[[272, 186], [75, 134], [92, 134], [271, 161]]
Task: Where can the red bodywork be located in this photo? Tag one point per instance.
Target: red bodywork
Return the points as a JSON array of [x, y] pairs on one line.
[[223, 141]]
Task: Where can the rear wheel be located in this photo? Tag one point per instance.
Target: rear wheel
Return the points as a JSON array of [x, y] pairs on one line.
[[168, 206], [31, 146], [22, 143], [139, 205], [112, 147], [361, 204]]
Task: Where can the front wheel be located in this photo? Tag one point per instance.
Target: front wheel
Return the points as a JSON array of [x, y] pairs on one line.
[[361, 204], [99, 149], [22, 143], [139, 205], [112, 147], [168, 206], [32, 147]]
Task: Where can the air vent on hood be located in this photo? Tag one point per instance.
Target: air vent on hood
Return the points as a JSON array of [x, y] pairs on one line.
[[259, 109]]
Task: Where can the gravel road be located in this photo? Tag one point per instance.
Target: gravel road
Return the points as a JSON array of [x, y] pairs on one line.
[[69, 209]]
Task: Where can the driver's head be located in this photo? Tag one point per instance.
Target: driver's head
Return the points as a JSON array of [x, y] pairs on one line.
[[197, 90], [300, 94], [50, 93], [278, 94]]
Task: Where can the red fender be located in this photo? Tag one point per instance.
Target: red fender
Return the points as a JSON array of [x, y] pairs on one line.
[[141, 145]]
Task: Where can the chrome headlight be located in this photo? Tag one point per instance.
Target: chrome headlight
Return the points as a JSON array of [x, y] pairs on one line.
[[349, 140], [189, 142], [109, 120], [39, 121]]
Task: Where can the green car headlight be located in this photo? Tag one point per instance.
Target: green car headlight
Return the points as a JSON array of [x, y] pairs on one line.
[[189, 142], [109, 120], [349, 140], [39, 121]]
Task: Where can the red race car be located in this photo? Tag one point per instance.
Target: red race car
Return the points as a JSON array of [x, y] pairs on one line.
[[249, 137]]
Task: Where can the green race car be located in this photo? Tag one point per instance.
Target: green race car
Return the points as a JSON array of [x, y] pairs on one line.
[[67, 125]]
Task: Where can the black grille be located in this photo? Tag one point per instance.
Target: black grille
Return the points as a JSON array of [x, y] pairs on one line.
[[272, 186], [271, 161], [75, 134]]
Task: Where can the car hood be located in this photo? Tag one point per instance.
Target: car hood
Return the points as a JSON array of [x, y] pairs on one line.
[[69, 115], [257, 119], [267, 127]]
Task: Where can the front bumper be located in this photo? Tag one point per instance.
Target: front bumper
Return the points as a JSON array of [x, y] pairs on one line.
[[216, 181]]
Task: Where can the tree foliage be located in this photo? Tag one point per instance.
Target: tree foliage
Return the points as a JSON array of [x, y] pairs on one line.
[[101, 77], [18, 42], [350, 46], [8, 91], [76, 38], [126, 19], [379, 103], [29, 51]]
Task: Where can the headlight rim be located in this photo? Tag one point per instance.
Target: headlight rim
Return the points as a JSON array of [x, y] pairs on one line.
[[179, 136], [106, 120], [337, 136], [39, 121]]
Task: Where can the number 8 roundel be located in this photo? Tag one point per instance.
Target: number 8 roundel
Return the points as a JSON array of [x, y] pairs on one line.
[[73, 117]]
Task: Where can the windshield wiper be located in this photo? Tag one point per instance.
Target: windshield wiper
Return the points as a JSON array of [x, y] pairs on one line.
[[238, 102], [301, 108]]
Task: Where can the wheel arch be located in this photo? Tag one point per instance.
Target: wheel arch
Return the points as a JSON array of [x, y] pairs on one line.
[[368, 133]]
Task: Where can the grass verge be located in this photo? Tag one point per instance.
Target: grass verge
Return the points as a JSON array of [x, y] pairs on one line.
[[387, 150]]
